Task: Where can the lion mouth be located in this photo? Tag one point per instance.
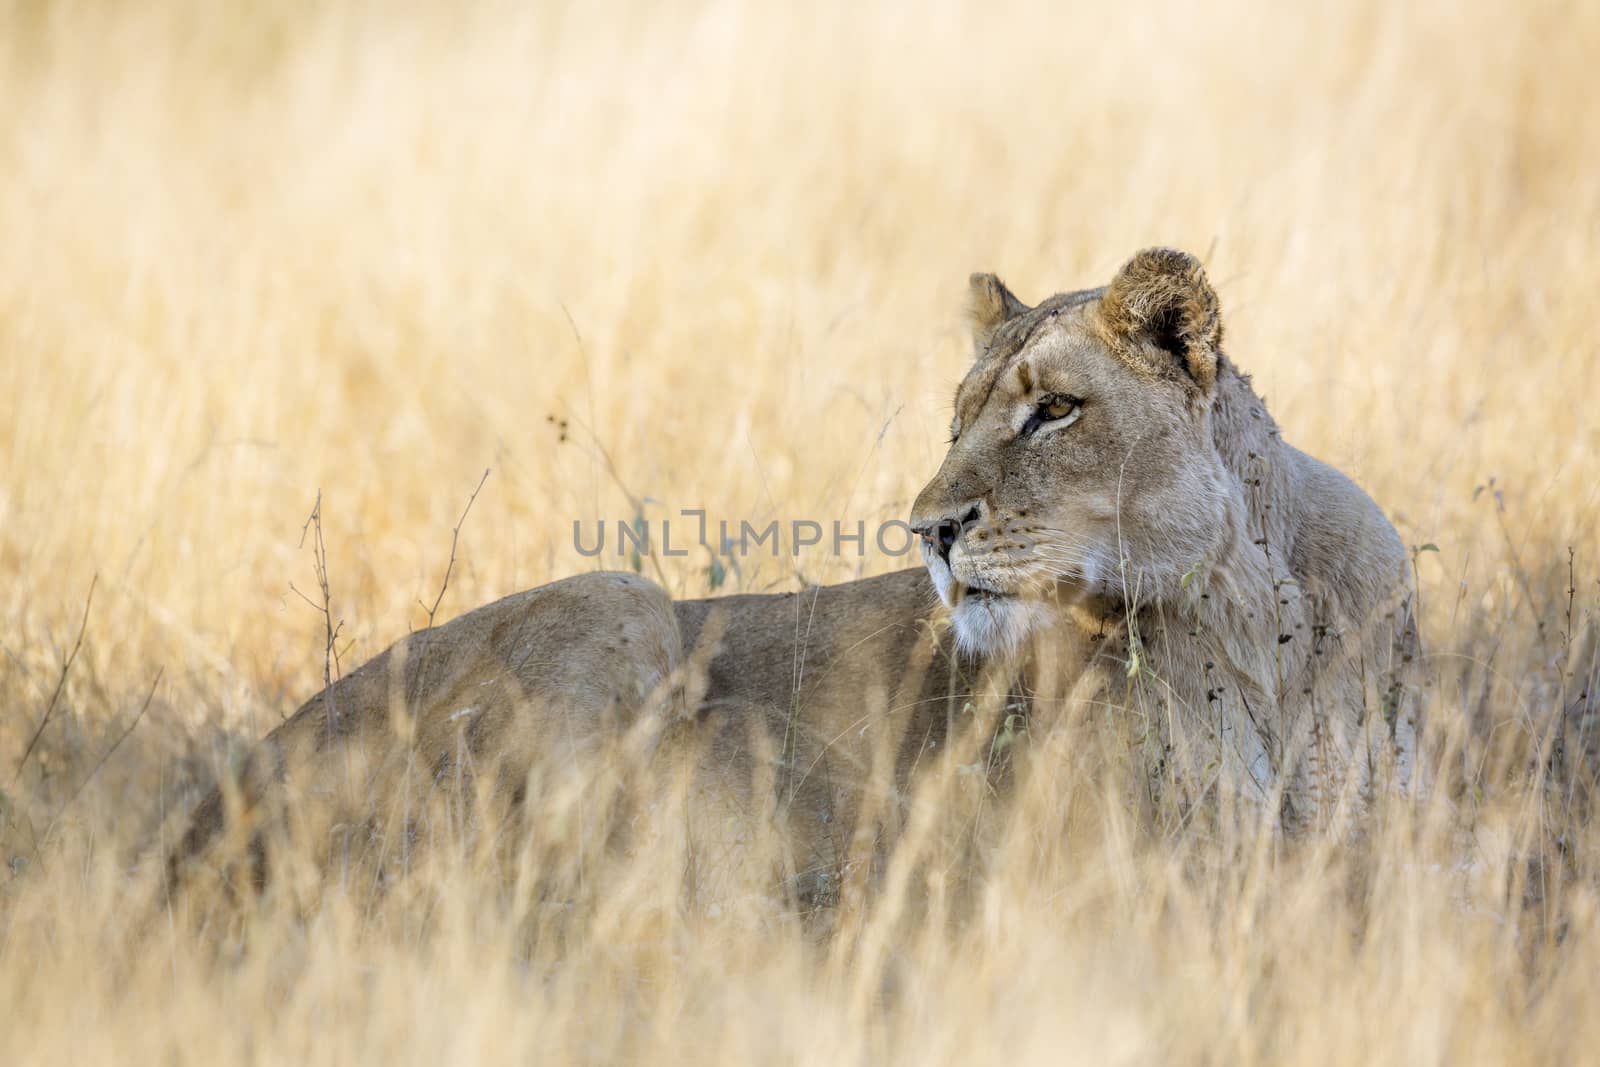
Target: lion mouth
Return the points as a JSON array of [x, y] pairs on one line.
[[990, 621], [964, 590]]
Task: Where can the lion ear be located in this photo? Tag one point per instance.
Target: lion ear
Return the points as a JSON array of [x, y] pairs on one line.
[[989, 305], [1160, 300]]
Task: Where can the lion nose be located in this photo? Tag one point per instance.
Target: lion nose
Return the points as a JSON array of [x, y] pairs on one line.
[[942, 534]]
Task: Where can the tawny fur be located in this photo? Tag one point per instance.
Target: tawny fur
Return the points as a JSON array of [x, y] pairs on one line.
[[1162, 550]]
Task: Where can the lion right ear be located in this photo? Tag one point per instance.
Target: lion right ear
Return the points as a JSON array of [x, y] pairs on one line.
[[989, 305], [1161, 304]]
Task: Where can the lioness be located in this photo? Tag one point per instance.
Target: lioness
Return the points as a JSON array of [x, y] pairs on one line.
[[1116, 510]]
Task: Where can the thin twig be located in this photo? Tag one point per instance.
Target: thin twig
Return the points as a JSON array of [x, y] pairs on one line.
[[1519, 571], [455, 536], [330, 653], [594, 438], [110, 751], [331, 668], [319, 567], [66, 668], [425, 645], [588, 384], [1572, 593]]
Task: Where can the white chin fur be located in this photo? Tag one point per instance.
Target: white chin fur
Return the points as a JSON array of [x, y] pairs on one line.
[[986, 626], [939, 572]]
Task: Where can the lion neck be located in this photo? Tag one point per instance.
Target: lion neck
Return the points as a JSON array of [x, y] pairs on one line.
[[1251, 446]]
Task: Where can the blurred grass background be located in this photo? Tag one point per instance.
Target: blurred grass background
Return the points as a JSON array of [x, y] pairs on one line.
[[713, 255]]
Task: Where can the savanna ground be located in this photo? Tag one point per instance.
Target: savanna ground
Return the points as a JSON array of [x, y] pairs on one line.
[[640, 257]]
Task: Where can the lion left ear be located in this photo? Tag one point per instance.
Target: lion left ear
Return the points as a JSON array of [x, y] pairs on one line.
[[989, 305], [1161, 300]]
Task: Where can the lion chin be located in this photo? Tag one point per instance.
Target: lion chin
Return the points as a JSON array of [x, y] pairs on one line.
[[996, 625], [986, 623]]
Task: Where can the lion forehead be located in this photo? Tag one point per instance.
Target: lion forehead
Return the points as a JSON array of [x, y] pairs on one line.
[[1029, 342]]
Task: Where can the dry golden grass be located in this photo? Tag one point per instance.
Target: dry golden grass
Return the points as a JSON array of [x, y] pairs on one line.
[[252, 252]]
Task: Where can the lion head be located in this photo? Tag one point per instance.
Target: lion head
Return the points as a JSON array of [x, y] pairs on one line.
[[1082, 466]]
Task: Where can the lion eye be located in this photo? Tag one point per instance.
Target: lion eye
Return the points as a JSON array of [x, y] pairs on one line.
[[1053, 408], [1058, 407]]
